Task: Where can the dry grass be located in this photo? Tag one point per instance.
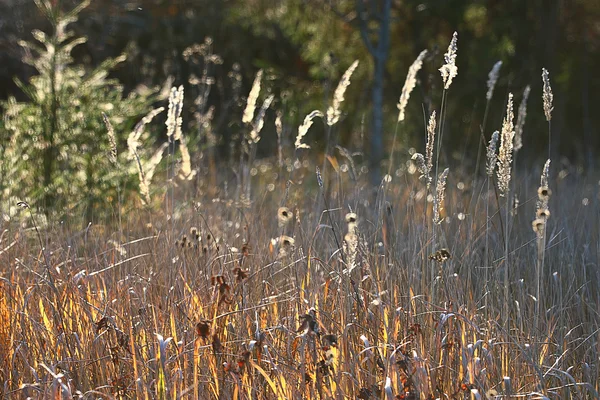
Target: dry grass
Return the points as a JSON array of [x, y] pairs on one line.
[[230, 313]]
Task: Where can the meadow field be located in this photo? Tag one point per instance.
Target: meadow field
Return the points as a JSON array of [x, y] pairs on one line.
[[294, 275]]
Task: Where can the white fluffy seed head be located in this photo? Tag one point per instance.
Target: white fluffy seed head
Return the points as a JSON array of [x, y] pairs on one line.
[[521, 119], [491, 154], [334, 112], [410, 83], [303, 129], [506, 148], [449, 70], [492, 79], [252, 98]]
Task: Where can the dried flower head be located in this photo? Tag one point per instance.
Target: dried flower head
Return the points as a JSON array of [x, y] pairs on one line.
[[441, 255], [410, 83], [351, 218], [547, 96], [543, 213], [538, 226], [284, 216], [491, 154], [521, 119], [506, 148], [194, 232], [333, 112], [203, 328], [449, 70], [492, 79], [252, 97], [287, 242], [303, 129]]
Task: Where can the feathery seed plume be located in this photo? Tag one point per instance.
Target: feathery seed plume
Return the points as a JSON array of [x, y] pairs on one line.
[[491, 154], [449, 70], [521, 119], [506, 148], [112, 154], [410, 83], [303, 129], [548, 97], [174, 113], [146, 172], [440, 196], [133, 140], [492, 79], [333, 112], [252, 97], [260, 120], [429, 146]]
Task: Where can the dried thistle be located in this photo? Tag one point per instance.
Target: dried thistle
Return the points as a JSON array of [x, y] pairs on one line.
[[491, 154], [449, 70], [547, 96], [440, 196], [333, 112], [506, 148], [112, 154], [303, 129], [429, 147], [521, 119], [492, 79], [410, 83], [441, 256], [252, 97]]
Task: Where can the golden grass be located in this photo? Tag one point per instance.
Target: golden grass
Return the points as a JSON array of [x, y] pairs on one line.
[[228, 315]]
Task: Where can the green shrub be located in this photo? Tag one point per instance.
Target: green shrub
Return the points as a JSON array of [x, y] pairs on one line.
[[54, 146]]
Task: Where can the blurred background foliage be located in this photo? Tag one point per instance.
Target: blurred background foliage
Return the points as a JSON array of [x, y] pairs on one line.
[[305, 45]]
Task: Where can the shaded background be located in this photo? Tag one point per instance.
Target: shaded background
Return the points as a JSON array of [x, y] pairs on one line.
[[305, 45]]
